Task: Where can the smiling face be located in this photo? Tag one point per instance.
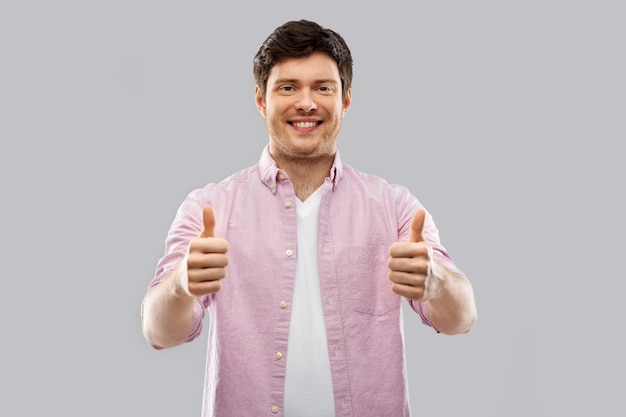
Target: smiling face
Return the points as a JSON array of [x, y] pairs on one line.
[[303, 108]]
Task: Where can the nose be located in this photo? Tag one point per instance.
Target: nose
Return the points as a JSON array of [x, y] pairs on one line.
[[305, 101]]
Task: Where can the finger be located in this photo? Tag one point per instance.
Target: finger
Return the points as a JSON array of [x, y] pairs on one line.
[[207, 260], [408, 250], [207, 274], [409, 292], [410, 265], [208, 222], [417, 226], [199, 289], [406, 278]]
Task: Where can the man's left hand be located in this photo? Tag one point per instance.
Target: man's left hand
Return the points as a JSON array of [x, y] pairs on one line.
[[412, 270]]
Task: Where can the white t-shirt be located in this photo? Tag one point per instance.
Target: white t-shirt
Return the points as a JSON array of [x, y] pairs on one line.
[[308, 382]]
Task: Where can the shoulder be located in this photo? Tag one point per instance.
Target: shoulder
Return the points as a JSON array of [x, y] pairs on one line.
[[227, 185], [373, 183]]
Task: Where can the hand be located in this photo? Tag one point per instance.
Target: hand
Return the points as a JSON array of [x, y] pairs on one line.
[[412, 270], [207, 259]]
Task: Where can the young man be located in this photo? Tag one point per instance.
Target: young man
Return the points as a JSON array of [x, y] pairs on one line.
[[302, 261]]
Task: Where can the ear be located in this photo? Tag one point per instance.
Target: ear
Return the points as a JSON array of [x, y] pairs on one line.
[[260, 101], [347, 101]]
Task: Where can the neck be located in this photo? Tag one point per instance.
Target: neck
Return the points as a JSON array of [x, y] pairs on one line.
[[306, 175]]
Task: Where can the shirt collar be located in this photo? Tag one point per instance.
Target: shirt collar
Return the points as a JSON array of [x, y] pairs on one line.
[[270, 173]]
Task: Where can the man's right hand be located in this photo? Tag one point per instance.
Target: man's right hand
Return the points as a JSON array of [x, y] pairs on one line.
[[207, 259]]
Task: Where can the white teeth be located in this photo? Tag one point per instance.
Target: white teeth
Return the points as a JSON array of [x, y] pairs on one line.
[[304, 124]]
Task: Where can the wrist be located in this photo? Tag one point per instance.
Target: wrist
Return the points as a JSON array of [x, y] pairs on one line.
[[179, 284], [436, 281]]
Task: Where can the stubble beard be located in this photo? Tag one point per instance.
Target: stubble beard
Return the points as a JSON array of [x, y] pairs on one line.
[[314, 157], [300, 155]]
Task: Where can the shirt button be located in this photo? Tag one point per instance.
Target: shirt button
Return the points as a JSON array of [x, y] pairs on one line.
[[288, 204], [281, 176], [274, 409], [330, 299], [272, 186], [283, 304], [289, 252], [278, 355]]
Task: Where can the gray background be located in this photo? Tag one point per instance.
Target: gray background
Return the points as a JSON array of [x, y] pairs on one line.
[[505, 118]]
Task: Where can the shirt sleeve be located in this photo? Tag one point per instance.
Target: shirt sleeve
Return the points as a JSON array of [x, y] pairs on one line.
[[407, 205]]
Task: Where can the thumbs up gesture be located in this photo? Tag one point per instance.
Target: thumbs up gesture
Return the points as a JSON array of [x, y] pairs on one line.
[[207, 259], [412, 270]]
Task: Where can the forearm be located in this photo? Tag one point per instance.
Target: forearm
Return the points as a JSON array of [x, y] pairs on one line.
[[167, 312], [453, 311]]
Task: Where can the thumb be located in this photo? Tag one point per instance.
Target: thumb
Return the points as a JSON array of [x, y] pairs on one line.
[[417, 226], [208, 222]]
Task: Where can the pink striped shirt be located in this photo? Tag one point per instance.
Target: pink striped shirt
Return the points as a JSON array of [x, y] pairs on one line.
[[360, 217]]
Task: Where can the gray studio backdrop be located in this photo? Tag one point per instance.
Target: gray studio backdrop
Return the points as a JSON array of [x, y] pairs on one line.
[[505, 118]]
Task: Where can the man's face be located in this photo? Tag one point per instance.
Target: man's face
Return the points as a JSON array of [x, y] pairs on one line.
[[303, 107]]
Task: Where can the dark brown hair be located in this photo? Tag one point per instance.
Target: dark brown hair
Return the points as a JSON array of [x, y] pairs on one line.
[[299, 39]]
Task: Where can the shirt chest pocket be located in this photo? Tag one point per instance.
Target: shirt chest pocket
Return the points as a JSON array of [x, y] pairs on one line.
[[370, 286]]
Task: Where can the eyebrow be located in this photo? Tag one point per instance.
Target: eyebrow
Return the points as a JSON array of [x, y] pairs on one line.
[[295, 81]]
